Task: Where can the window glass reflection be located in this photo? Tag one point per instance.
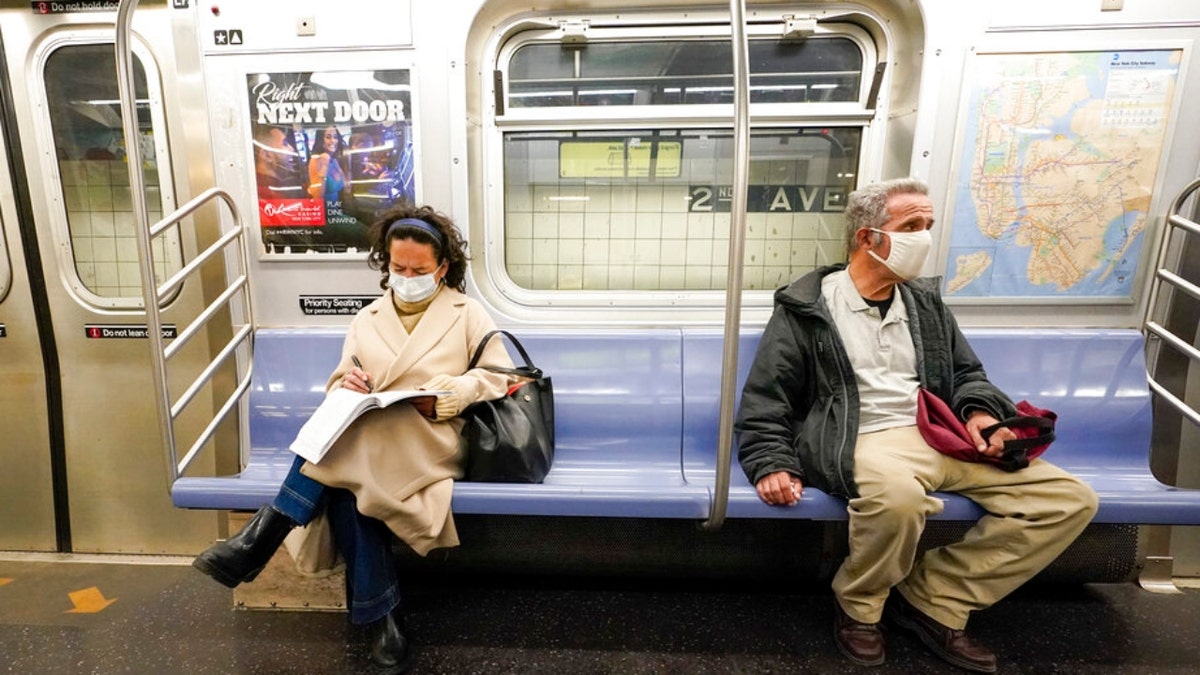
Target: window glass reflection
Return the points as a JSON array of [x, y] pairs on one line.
[[682, 72], [651, 210], [85, 116]]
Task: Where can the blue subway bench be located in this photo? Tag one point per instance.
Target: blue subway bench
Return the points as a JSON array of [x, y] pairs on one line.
[[637, 410]]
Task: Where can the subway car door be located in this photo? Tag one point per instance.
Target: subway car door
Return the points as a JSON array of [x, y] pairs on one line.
[[26, 484], [100, 433]]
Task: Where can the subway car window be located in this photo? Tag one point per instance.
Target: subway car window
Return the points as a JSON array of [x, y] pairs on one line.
[[682, 72], [85, 116], [648, 208]]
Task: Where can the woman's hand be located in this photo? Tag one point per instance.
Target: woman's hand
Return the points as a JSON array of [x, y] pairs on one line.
[[779, 489], [426, 405], [356, 379], [319, 165]]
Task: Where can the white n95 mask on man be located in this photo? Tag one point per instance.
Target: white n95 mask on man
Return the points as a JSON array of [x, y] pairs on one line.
[[908, 254], [412, 289]]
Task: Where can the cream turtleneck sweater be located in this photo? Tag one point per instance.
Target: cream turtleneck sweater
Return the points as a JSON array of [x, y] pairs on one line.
[[410, 313]]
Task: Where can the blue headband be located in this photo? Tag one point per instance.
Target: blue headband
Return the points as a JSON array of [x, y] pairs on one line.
[[420, 225]]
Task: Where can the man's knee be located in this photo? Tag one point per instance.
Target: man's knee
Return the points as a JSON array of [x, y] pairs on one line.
[[1075, 499], [1085, 498], [898, 500]]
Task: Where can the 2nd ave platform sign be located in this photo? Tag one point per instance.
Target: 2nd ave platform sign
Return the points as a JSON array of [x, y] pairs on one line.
[[770, 198]]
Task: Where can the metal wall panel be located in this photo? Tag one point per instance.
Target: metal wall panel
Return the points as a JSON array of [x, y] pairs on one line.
[[26, 488], [118, 499]]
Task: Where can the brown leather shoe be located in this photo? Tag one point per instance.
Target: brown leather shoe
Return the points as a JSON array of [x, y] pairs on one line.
[[862, 643], [954, 646]]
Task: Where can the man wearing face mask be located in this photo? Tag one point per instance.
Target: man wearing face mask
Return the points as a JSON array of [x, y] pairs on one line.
[[831, 401]]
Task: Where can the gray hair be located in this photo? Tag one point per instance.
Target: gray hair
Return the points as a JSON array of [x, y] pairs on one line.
[[867, 206]]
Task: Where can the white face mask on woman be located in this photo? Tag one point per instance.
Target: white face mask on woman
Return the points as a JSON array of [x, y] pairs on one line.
[[413, 289], [908, 254]]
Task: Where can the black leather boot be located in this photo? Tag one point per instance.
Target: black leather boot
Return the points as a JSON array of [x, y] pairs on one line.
[[242, 556], [389, 646]]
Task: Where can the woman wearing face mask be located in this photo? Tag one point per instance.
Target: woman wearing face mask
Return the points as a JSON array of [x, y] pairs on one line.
[[392, 470]]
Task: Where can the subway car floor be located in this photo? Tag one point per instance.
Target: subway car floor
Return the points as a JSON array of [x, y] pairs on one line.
[[75, 614]]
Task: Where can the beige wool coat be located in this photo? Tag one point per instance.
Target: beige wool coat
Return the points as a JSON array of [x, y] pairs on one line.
[[401, 466]]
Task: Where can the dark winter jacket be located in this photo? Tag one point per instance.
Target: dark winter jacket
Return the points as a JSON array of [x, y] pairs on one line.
[[800, 407]]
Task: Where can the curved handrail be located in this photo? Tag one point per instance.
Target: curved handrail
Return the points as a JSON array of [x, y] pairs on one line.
[[737, 239], [1152, 328], [153, 295], [1163, 246]]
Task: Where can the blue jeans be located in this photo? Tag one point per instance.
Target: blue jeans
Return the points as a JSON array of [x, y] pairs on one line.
[[366, 545], [300, 496]]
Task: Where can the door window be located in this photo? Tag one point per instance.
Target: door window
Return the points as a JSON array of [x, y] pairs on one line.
[[85, 117]]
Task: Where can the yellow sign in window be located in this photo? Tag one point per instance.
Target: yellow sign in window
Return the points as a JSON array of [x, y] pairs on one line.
[[619, 159]]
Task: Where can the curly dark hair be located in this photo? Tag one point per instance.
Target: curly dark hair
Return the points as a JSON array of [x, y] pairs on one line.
[[454, 252]]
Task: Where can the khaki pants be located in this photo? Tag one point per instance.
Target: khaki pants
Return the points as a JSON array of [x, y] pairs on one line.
[[1033, 515]]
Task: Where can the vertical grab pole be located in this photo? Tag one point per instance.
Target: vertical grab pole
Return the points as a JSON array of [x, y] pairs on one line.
[[737, 239], [137, 194]]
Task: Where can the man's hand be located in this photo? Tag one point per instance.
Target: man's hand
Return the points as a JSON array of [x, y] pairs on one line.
[[994, 447], [779, 489]]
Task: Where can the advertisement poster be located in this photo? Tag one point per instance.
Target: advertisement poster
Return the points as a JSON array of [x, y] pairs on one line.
[[331, 150]]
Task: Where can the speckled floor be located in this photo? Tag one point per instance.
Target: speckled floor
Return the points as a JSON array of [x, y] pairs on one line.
[[171, 619]]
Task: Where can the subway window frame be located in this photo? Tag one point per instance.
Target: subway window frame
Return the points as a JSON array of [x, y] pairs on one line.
[[627, 203]]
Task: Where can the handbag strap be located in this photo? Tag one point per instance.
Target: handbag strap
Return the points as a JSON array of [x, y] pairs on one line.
[[1044, 425], [529, 370]]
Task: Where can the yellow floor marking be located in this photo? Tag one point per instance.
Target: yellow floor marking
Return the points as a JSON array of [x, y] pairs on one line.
[[4, 581], [88, 601]]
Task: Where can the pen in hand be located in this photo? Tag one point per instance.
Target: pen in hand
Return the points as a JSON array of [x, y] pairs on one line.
[[366, 380]]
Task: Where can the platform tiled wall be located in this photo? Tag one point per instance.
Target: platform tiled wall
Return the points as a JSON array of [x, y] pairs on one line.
[[623, 236], [100, 218]]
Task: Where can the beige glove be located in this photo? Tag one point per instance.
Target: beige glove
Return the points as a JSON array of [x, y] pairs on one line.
[[447, 405]]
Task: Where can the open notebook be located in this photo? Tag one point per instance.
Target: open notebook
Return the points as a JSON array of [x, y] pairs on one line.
[[338, 410]]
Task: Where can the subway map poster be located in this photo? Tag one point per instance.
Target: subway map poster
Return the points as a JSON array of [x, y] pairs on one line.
[[1056, 164]]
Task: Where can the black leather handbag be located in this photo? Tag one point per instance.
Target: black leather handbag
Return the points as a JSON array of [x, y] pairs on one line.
[[511, 439]]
